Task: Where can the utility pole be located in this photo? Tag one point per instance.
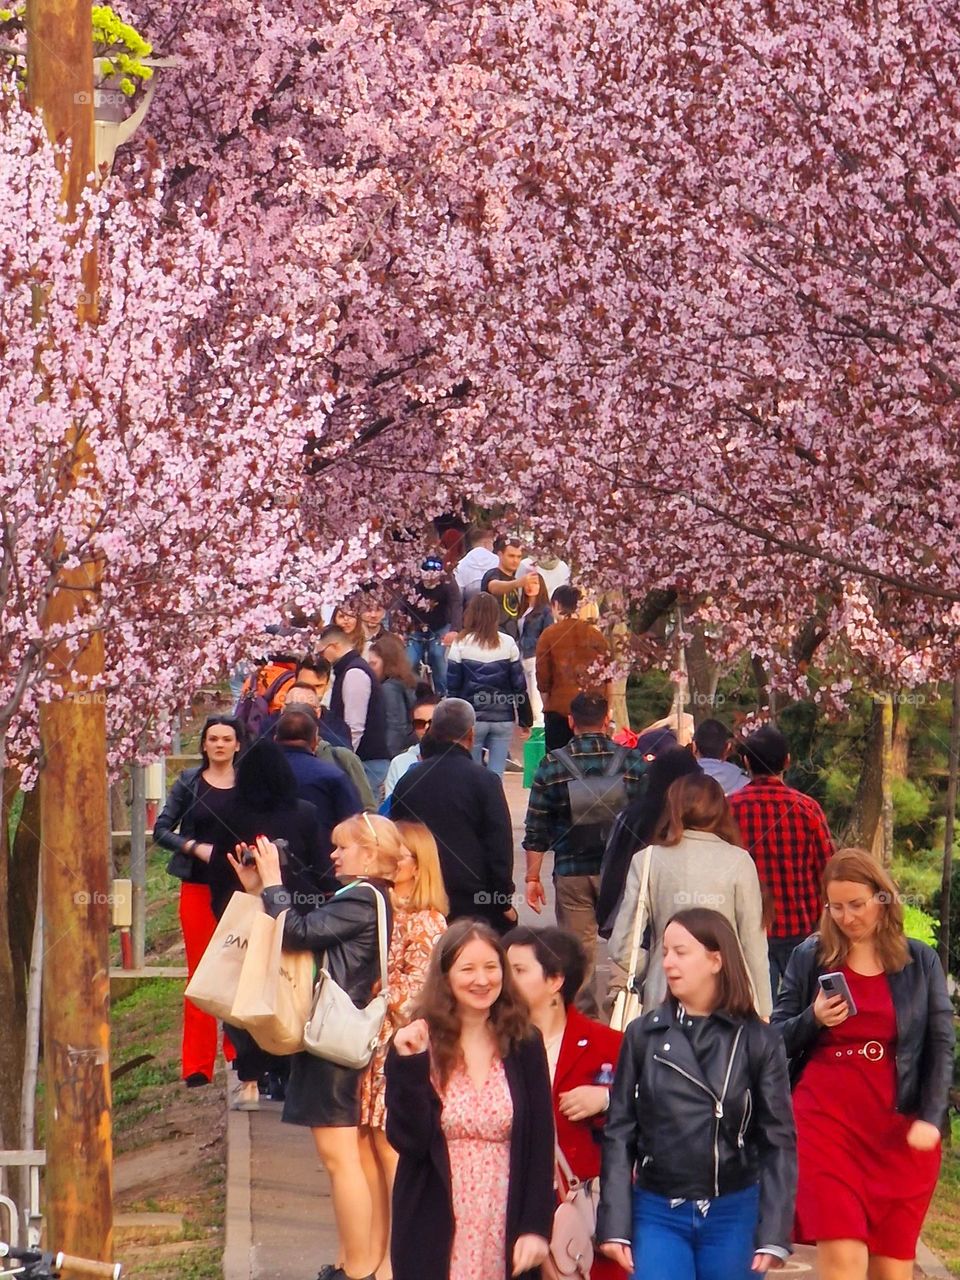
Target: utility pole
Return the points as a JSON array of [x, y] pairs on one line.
[[73, 791]]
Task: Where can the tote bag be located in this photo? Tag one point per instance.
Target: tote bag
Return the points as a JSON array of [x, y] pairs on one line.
[[275, 989], [213, 986], [337, 1030], [629, 1003]]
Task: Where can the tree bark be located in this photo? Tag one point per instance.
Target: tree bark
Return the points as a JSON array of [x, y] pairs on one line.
[[865, 818], [703, 675]]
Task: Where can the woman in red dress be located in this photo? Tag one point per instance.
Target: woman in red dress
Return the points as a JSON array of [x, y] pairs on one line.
[[871, 1085]]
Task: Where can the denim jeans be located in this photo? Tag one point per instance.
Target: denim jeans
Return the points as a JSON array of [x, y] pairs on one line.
[[495, 735], [376, 771], [683, 1244], [779, 951], [426, 647]]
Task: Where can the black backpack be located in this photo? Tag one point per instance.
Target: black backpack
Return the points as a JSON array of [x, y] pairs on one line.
[[595, 800]]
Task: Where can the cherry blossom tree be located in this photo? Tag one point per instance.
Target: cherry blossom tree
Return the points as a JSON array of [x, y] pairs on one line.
[[672, 283]]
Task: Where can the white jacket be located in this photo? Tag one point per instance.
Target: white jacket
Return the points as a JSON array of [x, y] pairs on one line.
[[701, 871]]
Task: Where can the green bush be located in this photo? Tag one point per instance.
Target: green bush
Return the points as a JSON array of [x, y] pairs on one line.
[[917, 924], [918, 876]]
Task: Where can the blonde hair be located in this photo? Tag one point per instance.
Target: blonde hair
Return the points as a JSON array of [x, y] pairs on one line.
[[860, 867], [375, 833], [429, 890]]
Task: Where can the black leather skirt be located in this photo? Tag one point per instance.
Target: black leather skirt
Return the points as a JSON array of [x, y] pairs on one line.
[[321, 1094]]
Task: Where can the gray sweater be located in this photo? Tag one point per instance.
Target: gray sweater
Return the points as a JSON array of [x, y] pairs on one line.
[[701, 871]]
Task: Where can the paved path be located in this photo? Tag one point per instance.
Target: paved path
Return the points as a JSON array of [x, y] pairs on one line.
[[279, 1216]]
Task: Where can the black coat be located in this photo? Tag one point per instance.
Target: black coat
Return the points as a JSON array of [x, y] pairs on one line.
[[464, 807], [924, 1015], [307, 872], [344, 930], [423, 1212], [663, 1124]]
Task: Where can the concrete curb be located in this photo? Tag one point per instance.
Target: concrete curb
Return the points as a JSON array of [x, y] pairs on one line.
[[930, 1264], [238, 1224]]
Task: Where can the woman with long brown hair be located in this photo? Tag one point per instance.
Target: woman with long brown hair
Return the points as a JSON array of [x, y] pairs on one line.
[[347, 618], [470, 1112], [871, 1077], [699, 1151], [389, 663], [484, 668], [696, 860], [534, 618]]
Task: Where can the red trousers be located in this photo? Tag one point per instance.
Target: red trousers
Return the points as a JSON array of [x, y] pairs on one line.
[[200, 1030]]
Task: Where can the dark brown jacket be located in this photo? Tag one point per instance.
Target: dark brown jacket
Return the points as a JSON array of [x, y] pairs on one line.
[[566, 652]]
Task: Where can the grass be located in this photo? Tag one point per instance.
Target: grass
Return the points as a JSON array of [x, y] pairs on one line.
[[941, 1230]]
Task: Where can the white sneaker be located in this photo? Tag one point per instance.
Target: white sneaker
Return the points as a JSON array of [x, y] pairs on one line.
[[246, 1096]]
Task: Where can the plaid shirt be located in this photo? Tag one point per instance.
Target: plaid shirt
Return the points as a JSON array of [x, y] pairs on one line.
[[787, 834], [548, 810]]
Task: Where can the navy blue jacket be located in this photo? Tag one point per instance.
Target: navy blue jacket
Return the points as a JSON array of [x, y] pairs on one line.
[[333, 796], [496, 688]]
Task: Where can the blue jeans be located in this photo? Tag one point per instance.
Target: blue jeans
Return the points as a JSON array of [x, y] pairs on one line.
[[780, 950], [682, 1244], [495, 735], [376, 771], [426, 647]]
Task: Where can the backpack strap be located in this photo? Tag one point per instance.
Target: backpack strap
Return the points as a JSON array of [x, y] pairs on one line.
[[277, 684], [616, 763], [566, 759]]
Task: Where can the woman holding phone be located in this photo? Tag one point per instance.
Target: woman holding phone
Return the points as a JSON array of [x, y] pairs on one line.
[[871, 1075]]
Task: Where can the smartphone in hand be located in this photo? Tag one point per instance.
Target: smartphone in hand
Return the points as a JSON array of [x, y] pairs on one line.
[[835, 984]]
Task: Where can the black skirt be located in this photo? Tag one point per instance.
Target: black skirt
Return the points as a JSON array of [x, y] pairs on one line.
[[322, 1094]]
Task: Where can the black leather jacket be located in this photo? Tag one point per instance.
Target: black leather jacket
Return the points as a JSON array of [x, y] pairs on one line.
[[924, 1025], [178, 812], [688, 1137], [344, 930]]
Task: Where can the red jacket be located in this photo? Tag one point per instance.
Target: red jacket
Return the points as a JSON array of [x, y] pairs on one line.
[[586, 1047]]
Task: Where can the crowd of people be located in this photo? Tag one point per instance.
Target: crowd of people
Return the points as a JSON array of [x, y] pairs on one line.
[[785, 1075]]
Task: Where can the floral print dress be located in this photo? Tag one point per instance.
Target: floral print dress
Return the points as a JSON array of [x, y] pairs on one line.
[[414, 935], [476, 1124]]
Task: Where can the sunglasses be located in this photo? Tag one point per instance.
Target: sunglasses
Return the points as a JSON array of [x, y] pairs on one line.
[[422, 724], [372, 829]]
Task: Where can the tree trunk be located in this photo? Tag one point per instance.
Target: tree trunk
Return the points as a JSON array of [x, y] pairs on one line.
[[886, 777], [900, 761], [703, 676], [12, 982], [24, 869], [865, 817]]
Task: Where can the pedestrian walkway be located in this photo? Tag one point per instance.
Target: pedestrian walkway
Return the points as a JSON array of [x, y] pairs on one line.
[[279, 1216]]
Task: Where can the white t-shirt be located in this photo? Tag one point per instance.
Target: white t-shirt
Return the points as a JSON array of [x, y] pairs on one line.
[[558, 576]]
